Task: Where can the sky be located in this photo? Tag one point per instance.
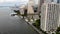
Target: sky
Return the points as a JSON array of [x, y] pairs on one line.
[[12, 2], [15, 2], [1, 1]]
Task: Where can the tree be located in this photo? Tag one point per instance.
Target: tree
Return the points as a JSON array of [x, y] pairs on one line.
[[17, 11], [37, 23], [58, 30]]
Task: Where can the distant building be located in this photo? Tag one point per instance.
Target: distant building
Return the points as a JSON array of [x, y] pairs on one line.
[[49, 1], [22, 9], [40, 2], [49, 16], [36, 2], [30, 7]]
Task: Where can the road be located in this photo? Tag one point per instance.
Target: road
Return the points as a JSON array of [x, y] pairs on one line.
[[13, 25]]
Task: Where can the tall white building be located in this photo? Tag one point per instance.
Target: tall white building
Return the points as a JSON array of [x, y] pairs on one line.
[[49, 16]]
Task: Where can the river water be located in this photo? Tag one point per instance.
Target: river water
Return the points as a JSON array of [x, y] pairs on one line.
[[13, 25]]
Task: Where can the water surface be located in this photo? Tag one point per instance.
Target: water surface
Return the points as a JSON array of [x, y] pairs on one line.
[[13, 25]]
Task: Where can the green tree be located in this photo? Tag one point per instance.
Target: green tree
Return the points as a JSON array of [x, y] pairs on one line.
[[17, 11], [37, 23], [58, 30]]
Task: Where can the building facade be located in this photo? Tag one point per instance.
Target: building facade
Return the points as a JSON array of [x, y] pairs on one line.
[[49, 16], [30, 7], [40, 2], [49, 1]]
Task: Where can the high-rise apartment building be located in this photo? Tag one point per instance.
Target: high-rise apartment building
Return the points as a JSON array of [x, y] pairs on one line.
[[49, 16]]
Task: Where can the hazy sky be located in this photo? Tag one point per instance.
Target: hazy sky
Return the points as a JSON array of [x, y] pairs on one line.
[[1, 1], [12, 2]]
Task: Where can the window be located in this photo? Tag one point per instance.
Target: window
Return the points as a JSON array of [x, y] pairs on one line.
[[54, 7], [58, 1], [51, 0]]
